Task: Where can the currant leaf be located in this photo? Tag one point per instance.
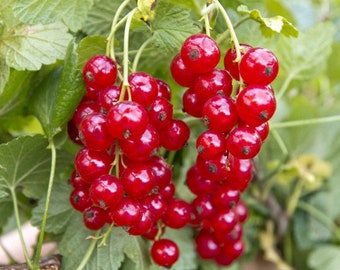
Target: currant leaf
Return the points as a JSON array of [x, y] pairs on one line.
[[4, 74], [325, 257], [28, 47], [88, 47], [171, 26], [277, 24], [73, 13]]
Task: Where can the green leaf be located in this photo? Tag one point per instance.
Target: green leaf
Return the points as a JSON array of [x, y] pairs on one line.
[[100, 17], [277, 24], [14, 94], [20, 169], [326, 257], [4, 74], [305, 57], [60, 212], [70, 88], [171, 26], [72, 13], [30, 46]]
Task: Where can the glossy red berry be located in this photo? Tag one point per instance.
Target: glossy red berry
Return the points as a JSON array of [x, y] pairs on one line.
[[219, 114], [226, 197], [106, 191], [206, 245], [259, 66], [84, 109], [142, 148], [210, 144], [160, 112], [174, 135], [263, 130], [164, 90], [100, 71], [143, 87], [73, 132], [126, 213], [230, 252], [230, 63], [144, 224], [223, 221], [157, 204], [197, 184], [214, 169], [242, 211], [161, 170], [192, 103], [255, 104], [203, 206], [108, 97], [239, 173], [94, 217], [77, 182], [93, 132], [164, 252], [138, 180], [80, 198], [209, 84], [178, 214], [92, 164], [127, 120], [168, 191], [244, 142], [200, 53], [180, 73]]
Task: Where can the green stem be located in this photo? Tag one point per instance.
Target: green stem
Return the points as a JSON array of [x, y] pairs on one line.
[[89, 251], [21, 237], [288, 247], [305, 122], [293, 200], [279, 141], [139, 53], [235, 25], [206, 22], [111, 37], [47, 204], [285, 85], [320, 216], [126, 85]]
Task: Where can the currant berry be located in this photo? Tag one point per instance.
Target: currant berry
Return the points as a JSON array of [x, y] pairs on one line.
[[100, 71], [210, 144], [138, 180], [197, 184], [73, 132], [212, 83], [164, 90], [126, 213], [161, 170], [143, 87], [84, 109], [241, 211], [203, 206], [177, 214], [164, 252], [223, 222], [229, 253], [142, 148], [233, 236], [206, 245], [168, 191], [200, 53], [127, 120], [255, 104], [180, 73], [94, 217], [239, 173], [192, 103], [93, 132], [226, 197], [157, 204], [243, 142], [230, 63], [214, 169], [144, 224], [108, 96], [77, 182], [106, 191], [259, 66], [219, 114], [174, 135], [92, 164], [80, 199], [160, 112], [263, 131]]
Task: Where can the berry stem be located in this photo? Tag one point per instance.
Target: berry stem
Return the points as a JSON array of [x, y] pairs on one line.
[[47, 204], [285, 85], [139, 53], [305, 122], [105, 236], [224, 35], [18, 221], [206, 18], [126, 86], [89, 251], [320, 216], [293, 200]]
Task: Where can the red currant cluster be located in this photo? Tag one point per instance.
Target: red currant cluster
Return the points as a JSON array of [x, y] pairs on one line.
[[237, 125], [119, 178]]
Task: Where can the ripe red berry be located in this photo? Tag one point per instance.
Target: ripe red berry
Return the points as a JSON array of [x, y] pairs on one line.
[[73, 132], [160, 112], [192, 103], [241, 211], [164, 252], [206, 245], [180, 73], [93, 132], [144, 224], [244, 142], [239, 173], [174, 135], [127, 120], [197, 184], [164, 90], [94, 217], [223, 221], [219, 114], [230, 63], [106, 191], [92, 164], [255, 104], [99, 72], [226, 197], [143, 87], [80, 199], [209, 84], [126, 213], [210, 144], [203, 206], [161, 170], [177, 214], [108, 96], [259, 66], [84, 109], [157, 204], [200, 53]]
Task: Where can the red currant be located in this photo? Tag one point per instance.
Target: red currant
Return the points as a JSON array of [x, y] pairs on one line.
[[230, 63], [108, 96], [126, 213], [160, 112], [94, 217], [80, 199], [164, 90], [192, 103], [174, 135], [210, 144], [197, 184], [161, 170], [200, 53], [206, 245], [226, 197], [180, 73], [178, 214], [164, 252], [144, 224]]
